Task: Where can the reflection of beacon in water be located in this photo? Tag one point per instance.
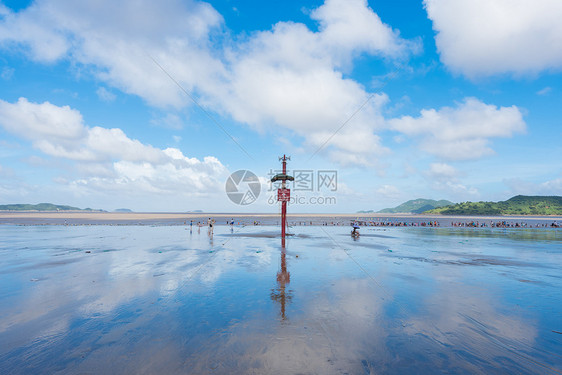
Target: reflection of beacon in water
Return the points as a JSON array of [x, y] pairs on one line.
[[279, 294]]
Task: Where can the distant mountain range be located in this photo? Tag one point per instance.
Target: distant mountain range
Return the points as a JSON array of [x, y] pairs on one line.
[[518, 205], [41, 207], [415, 206]]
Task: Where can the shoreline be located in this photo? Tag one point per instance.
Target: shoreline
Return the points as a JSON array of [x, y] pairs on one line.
[[76, 217]]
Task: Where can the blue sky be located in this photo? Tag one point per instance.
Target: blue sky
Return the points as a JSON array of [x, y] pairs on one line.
[[152, 105]]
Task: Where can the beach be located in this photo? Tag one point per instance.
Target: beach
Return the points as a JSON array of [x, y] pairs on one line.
[[152, 218], [159, 298]]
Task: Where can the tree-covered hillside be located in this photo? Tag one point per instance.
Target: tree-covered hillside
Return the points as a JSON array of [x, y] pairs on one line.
[[518, 205], [416, 206]]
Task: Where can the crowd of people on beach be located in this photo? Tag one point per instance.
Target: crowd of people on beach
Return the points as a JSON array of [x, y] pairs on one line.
[[369, 223], [376, 222], [505, 224], [433, 223]]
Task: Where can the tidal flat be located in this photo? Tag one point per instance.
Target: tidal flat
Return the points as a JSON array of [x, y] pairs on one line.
[[101, 299]]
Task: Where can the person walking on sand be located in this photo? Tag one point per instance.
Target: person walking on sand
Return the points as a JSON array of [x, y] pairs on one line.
[[211, 222]]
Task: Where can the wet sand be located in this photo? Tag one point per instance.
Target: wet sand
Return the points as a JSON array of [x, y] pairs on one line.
[[163, 299], [36, 218]]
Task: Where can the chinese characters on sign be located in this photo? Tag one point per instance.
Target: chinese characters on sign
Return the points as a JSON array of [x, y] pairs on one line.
[[284, 195]]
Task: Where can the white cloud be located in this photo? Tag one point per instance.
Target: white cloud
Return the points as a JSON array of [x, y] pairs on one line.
[[520, 186], [45, 40], [169, 121], [290, 76], [350, 26], [105, 95], [389, 191], [106, 158], [463, 132], [482, 37], [103, 36], [545, 91], [442, 171], [41, 121], [60, 132], [444, 177], [457, 189], [7, 73]]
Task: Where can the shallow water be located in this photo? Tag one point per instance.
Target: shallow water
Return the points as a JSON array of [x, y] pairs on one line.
[[159, 299]]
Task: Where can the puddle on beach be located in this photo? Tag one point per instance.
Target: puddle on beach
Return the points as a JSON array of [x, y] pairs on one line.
[[139, 299]]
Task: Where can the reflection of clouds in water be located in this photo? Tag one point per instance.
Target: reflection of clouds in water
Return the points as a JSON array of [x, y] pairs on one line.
[[96, 284], [52, 297], [336, 254], [233, 256], [339, 329], [163, 304], [99, 302], [471, 322]]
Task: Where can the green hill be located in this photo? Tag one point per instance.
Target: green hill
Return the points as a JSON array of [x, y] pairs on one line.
[[518, 205], [416, 206], [40, 207]]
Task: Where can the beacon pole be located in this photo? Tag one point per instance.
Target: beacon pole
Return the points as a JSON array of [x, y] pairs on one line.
[[283, 195]]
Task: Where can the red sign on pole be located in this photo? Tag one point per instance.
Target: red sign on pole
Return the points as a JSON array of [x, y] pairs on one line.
[[283, 195]]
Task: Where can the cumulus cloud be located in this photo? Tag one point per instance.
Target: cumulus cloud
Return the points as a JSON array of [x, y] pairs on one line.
[[45, 41], [350, 26], [41, 121], [463, 132], [103, 36], [520, 186], [444, 177], [481, 37], [290, 77], [107, 158]]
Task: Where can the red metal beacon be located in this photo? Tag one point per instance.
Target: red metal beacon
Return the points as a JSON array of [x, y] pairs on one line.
[[283, 195]]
